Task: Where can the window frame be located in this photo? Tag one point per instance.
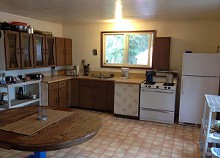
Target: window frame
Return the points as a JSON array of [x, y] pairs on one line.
[[134, 66]]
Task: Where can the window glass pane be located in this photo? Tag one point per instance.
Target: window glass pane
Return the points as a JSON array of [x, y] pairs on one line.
[[138, 49], [114, 49]]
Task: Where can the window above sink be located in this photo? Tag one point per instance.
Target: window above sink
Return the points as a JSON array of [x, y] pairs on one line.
[[127, 49]]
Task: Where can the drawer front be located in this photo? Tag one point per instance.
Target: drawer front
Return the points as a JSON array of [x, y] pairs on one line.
[[53, 86], [155, 115], [62, 84]]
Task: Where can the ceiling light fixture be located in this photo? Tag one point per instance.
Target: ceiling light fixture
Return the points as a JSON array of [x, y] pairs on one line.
[[118, 11]]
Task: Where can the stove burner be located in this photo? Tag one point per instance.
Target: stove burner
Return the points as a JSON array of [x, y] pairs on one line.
[[150, 83], [168, 84]]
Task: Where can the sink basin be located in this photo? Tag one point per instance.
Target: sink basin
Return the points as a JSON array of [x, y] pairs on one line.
[[102, 77]]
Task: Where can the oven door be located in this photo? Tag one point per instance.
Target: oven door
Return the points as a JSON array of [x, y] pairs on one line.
[[157, 99]]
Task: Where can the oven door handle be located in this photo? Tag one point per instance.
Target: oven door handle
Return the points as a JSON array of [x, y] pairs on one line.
[[157, 91], [163, 111]]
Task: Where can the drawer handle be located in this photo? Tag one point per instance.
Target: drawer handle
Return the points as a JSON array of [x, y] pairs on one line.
[[157, 91], [163, 111]]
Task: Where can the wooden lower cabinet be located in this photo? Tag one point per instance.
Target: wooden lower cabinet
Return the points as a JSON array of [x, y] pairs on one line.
[[63, 94], [74, 92], [53, 94], [85, 93], [93, 94], [100, 95], [110, 96], [58, 94]]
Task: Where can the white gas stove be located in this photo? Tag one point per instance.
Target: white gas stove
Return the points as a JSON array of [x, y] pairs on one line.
[[157, 102]]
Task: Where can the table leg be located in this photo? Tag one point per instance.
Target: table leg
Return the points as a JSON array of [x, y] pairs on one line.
[[38, 154]]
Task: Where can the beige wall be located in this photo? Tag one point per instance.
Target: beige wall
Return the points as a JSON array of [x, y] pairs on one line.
[[202, 36]]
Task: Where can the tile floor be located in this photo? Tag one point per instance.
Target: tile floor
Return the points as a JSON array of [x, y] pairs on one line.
[[127, 138]]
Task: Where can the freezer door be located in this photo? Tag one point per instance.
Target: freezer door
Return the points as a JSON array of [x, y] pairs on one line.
[[201, 64], [192, 98]]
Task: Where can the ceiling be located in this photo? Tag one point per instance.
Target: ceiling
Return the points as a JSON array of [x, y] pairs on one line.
[[99, 11]]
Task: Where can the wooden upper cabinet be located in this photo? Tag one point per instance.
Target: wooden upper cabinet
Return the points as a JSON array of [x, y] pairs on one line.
[[68, 51], [12, 50], [50, 51], [60, 57], [39, 50], [26, 50], [63, 51], [161, 53]]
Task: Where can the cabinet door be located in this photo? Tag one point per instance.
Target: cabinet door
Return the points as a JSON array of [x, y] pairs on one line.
[[39, 50], [110, 97], [100, 95], [26, 50], [75, 92], [161, 54], [63, 95], [60, 56], [68, 52], [50, 51], [85, 93], [12, 50], [53, 94]]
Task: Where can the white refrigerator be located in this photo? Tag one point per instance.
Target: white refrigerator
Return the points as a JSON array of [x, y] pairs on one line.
[[200, 75]]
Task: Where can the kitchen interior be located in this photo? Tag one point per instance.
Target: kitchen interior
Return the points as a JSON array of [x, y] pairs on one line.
[[163, 104]]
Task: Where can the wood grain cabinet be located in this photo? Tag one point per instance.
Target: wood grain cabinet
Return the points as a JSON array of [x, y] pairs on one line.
[[161, 55], [93, 94], [63, 51], [44, 51], [17, 50], [63, 94], [53, 94], [56, 94], [75, 92], [85, 93], [26, 46]]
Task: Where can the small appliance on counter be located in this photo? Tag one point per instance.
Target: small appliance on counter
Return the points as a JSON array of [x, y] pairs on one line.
[[125, 73], [73, 72], [35, 76], [10, 79]]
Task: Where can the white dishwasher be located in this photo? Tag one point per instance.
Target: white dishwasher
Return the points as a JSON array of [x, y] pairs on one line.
[[157, 102]]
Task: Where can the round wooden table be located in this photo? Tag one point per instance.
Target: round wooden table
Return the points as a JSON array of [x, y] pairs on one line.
[[77, 128]]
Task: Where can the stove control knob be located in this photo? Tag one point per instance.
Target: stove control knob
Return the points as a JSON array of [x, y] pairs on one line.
[[157, 87], [149, 86], [168, 87], [165, 87]]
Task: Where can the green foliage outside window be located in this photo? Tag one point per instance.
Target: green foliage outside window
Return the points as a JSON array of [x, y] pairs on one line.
[[128, 49]]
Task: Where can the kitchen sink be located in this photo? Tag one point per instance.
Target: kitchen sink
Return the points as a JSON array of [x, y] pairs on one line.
[[102, 77]]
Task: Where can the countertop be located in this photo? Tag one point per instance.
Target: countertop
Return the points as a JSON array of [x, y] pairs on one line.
[[51, 79], [132, 80]]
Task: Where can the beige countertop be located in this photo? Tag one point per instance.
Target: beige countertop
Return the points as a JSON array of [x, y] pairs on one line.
[[51, 79], [132, 80]]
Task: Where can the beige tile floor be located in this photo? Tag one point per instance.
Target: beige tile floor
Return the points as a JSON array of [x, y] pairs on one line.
[[127, 138]]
